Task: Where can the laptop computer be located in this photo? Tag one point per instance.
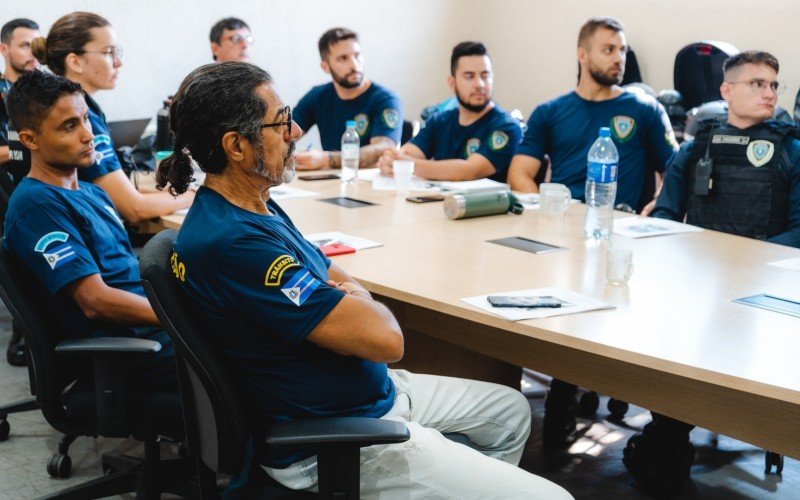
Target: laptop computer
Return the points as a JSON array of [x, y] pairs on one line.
[[127, 132]]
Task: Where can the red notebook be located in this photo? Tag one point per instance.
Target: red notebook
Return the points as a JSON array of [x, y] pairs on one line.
[[336, 249]]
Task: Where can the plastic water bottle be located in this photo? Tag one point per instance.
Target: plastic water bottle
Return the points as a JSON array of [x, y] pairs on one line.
[[351, 145], [601, 186]]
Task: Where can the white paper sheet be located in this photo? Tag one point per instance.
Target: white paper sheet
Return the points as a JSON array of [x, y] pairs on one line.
[[577, 303], [320, 239], [641, 227], [284, 192], [790, 264]]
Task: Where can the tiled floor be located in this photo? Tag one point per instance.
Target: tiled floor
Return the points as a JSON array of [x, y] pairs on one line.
[[589, 469]]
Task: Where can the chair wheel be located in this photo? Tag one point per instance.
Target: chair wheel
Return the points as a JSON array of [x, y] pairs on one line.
[[617, 408], [588, 404], [5, 429], [771, 459], [59, 466]]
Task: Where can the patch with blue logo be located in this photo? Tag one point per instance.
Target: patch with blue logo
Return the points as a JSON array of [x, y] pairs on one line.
[[473, 145], [391, 118], [102, 148], [760, 152], [498, 140], [623, 127], [55, 249], [300, 286], [362, 124]]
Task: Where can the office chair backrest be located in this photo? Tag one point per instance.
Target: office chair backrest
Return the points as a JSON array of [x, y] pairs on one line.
[[698, 71], [27, 300], [214, 421]]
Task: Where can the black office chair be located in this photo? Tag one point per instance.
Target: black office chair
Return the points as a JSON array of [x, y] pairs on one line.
[[217, 427], [410, 129], [105, 407]]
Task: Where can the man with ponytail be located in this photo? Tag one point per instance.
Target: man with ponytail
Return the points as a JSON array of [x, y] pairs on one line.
[[82, 47], [302, 337], [68, 232]]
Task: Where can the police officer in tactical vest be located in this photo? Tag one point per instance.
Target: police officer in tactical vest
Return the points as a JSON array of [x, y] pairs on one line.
[[741, 177]]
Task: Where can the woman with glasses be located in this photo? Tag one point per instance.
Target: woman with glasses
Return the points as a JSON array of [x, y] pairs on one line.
[[83, 48]]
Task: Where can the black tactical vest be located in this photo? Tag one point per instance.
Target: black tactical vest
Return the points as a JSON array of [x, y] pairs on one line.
[[749, 181]]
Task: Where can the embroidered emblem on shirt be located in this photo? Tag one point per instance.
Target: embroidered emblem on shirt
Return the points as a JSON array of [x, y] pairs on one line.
[[760, 152], [390, 118], [277, 268], [623, 126], [300, 287], [362, 124], [57, 254], [498, 140], [102, 148], [472, 146], [114, 214]]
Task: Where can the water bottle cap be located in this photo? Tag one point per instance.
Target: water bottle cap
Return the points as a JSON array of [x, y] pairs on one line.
[[605, 132], [350, 124]]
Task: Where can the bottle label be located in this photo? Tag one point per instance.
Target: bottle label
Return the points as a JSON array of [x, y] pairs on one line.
[[602, 173]]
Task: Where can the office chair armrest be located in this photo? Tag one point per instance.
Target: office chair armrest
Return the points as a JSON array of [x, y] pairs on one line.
[[111, 345], [108, 356], [337, 432]]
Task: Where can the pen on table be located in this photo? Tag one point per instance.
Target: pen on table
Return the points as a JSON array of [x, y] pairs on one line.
[[310, 145]]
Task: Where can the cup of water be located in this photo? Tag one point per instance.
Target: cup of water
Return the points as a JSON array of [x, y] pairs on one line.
[[619, 265], [403, 172]]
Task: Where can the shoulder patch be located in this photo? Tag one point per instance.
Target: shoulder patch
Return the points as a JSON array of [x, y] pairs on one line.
[[623, 127], [760, 152], [277, 268], [498, 140], [58, 254], [472, 145], [300, 287], [102, 147], [391, 118], [362, 124]]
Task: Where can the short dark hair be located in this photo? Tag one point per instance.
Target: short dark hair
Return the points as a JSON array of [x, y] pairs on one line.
[[8, 29], [68, 35], [594, 23], [750, 57], [33, 95], [212, 100], [334, 36], [464, 49], [229, 23]]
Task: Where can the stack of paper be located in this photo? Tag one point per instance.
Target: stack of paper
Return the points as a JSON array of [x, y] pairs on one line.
[[574, 303], [284, 192], [331, 237], [640, 227]]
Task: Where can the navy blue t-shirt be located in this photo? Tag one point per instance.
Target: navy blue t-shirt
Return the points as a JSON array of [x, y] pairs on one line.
[[377, 112], [63, 235], [261, 289], [105, 162], [494, 136], [566, 127], [5, 86]]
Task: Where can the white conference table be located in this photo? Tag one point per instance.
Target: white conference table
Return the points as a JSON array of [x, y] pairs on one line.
[[675, 343]]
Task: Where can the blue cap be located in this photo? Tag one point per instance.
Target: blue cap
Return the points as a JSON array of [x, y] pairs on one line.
[[350, 123], [605, 132]]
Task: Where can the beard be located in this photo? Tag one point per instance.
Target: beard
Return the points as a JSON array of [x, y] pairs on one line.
[[22, 68], [605, 79], [262, 168], [475, 108], [345, 83]]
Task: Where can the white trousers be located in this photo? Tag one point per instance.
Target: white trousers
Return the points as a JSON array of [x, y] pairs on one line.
[[495, 419]]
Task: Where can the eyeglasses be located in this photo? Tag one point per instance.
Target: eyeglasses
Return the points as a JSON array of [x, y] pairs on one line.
[[115, 53], [758, 86], [237, 39], [288, 112]]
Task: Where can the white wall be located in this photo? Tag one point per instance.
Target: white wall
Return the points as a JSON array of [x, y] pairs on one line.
[[163, 41], [407, 43], [534, 50]]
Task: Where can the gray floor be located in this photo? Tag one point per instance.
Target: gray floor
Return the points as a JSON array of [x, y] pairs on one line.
[[589, 469]]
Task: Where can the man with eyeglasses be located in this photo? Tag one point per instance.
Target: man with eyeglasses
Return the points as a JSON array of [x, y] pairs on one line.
[[377, 111], [231, 40], [741, 177]]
